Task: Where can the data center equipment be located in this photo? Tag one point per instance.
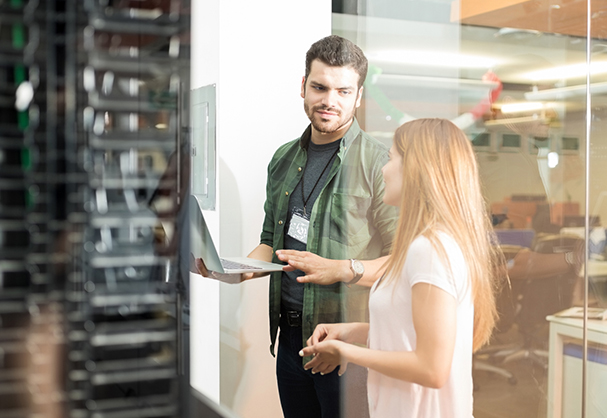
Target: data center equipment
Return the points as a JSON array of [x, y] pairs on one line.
[[94, 157]]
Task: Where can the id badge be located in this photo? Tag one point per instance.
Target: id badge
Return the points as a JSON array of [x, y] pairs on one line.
[[298, 227]]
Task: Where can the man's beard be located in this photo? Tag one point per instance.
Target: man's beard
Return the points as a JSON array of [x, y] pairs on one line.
[[326, 127]]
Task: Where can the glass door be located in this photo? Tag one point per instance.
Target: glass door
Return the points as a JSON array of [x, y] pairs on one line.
[[526, 81]]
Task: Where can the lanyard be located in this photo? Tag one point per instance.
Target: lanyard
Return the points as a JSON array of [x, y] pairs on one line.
[[305, 200]]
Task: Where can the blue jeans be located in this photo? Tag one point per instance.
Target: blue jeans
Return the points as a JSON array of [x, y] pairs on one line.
[[303, 394]]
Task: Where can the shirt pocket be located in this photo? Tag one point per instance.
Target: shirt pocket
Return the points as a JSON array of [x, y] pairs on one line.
[[349, 222]]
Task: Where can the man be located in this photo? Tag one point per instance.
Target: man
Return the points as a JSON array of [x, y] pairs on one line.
[[324, 197]]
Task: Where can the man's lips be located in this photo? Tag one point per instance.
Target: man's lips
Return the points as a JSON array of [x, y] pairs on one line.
[[325, 114]]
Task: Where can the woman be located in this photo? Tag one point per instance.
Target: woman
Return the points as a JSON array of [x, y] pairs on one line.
[[434, 305]]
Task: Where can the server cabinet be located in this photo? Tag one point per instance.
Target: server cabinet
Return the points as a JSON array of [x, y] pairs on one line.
[[94, 156]]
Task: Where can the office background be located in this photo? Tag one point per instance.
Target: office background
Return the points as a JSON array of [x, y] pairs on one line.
[[97, 308], [428, 59]]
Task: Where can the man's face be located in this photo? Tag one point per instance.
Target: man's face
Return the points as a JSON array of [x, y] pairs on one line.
[[331, 95]]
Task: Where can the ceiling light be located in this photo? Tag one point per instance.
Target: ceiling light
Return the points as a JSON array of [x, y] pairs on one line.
[[433, 82], [562, 93], [433, 59], [521, 107], [553, 159], [516, 33], [567, 71], [516, 121]]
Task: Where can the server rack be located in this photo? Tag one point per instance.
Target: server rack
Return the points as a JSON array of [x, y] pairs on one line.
[[93, 153]]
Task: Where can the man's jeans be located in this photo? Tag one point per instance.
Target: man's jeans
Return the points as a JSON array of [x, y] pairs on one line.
[[303, 394]]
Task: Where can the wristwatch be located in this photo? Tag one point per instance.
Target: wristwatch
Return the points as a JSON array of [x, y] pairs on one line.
[[358, 269]]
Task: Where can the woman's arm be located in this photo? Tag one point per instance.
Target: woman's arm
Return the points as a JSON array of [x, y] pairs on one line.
[[434, 319]]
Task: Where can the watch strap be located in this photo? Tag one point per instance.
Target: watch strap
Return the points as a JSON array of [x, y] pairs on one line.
[[357, 276]]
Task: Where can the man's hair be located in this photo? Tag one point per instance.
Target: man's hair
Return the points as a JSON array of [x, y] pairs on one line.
[[336, 51]]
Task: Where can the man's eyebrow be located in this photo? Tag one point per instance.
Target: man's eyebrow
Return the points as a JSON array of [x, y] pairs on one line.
[[318, 84]]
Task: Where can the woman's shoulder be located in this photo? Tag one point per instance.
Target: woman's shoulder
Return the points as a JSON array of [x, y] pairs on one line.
[[425, 250], [424, 243], [421, 242]]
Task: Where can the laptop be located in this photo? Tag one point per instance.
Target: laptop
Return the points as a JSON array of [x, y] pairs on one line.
[[202, 246]]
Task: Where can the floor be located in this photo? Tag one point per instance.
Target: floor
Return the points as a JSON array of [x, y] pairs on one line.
[[496, 397]]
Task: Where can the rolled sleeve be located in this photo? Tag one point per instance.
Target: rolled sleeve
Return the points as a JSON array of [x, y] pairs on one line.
[[267, 232]]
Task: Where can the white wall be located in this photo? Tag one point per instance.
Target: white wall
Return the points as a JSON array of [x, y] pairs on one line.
[[255, 52]]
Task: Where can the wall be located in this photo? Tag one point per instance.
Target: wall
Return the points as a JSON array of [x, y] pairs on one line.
[[254, 52]]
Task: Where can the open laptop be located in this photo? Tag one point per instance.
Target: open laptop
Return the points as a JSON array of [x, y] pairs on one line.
[[202, 246]]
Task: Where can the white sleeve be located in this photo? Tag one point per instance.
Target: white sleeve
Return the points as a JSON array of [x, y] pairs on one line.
[[425, 265]]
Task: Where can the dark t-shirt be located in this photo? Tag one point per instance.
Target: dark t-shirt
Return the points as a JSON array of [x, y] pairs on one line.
[[314, 179]]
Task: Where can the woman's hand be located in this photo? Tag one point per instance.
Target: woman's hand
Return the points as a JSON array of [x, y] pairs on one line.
[[354, 332], [324, 332], [327, 356], [328, 344]]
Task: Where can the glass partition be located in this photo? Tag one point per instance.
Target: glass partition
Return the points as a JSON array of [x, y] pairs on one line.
[[526, 81], [594, 358]]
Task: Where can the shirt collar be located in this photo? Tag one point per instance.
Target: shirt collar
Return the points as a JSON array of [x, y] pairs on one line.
[[346, 140]]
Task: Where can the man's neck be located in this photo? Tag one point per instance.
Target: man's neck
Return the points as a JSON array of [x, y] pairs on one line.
[[320, 138]]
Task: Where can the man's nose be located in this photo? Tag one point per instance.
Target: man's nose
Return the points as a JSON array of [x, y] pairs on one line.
[[329, 99]]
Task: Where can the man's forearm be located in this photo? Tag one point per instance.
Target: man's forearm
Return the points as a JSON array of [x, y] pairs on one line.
[[325, 271], [373, 271], [262, 252]]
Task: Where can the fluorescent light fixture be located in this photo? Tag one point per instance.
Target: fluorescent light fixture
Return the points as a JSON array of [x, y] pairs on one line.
[[567, 71], [566, 92], [435, 82], [521, 107], [516, 121], [553, 159], [433, 59]]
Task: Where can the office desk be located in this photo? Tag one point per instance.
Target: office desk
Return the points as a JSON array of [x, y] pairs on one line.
[[520, 237], [563, 330], [597, 268]]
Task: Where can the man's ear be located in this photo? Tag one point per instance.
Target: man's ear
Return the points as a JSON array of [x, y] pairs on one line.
[[360, 96], [303, 87]]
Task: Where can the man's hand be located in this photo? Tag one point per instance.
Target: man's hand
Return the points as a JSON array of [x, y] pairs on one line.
[[197, 266], [317, 270]]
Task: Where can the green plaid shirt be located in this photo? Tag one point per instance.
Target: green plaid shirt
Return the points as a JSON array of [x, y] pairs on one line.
[[348, 220]]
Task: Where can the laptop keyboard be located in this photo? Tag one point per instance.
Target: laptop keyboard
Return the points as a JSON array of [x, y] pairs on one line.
[[233, 265]]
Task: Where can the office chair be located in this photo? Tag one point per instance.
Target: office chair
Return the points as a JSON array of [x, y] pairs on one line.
[[486, 359], [539, 297]]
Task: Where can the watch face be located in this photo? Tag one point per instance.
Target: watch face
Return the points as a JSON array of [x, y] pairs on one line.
[[358, 267]]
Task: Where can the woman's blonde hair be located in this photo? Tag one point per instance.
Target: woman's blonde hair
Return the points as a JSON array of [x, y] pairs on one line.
[[441, 192]]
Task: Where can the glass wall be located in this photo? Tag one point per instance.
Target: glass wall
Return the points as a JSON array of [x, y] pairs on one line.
[[527, 82]]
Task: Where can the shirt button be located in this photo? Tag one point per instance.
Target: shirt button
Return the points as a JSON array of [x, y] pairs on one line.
[[279, 222], [286, 193], [298, 168]]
